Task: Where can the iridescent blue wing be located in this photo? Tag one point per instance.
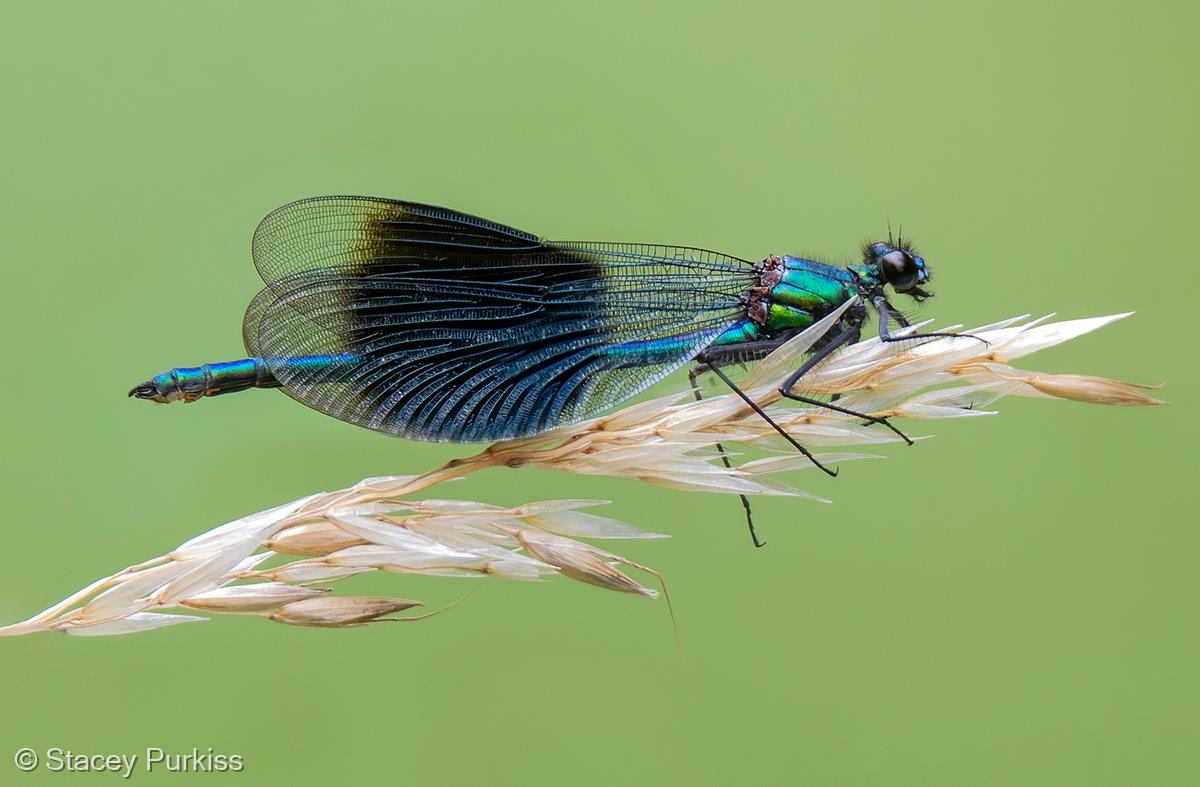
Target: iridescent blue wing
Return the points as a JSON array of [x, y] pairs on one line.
[[434, 325]]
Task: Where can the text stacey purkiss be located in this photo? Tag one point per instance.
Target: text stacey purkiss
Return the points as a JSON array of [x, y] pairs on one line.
[[59, 760]]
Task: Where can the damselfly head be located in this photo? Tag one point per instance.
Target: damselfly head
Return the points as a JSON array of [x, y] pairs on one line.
[[899, 265]]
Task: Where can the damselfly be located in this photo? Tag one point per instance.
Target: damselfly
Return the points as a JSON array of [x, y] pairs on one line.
[[430, 324]]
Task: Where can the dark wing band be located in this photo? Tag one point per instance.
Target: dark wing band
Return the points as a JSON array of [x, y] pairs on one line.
[[430, 324]]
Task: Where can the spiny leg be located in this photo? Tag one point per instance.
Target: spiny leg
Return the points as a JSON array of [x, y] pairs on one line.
[[847, 336], [692, 374], [884, 310], [762, 414]]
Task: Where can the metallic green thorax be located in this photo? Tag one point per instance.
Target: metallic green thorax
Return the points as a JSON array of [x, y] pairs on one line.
[[792, 294]]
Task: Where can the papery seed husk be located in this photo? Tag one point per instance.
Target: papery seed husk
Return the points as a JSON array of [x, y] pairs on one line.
[[1039, 337], [583, 525], [1095, 390], [699, 416], [386, 558], [524, 570], [798, 461], [461, 535], [918, 411], [132, 593], [206, 573], [820, 434], [580, 562], [971, 397], [630, 417], [1080, 388], [339, 611], [366, 555], [551, 506], [243, 599], [393, 536], [454, 506], [477, 522], [311, 571], [141, 621], [312, 538], [729, 484], [254, 527]]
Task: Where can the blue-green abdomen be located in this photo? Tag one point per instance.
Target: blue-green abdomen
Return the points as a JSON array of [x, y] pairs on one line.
[[212, 379], [742, 331]]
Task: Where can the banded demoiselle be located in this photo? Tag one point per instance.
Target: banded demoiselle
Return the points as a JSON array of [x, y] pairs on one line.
[[427, 323]]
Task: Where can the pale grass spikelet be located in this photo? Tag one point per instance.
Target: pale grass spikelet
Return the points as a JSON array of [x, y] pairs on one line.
[[580, 561], [276, 564], [130, 624], [256, 597], [341, 611], [312, 538]]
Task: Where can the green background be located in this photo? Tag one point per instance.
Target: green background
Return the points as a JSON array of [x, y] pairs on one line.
[[1011, 603]]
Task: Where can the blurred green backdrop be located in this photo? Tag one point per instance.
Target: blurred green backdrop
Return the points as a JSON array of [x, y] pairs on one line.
[[1011, 603]]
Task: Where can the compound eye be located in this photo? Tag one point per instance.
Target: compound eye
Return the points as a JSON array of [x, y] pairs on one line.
[[899, 268]]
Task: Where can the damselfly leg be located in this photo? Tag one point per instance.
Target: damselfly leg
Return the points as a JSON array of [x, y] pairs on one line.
[[692, 375], [848, 335], [885, 311], [753, 405]]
